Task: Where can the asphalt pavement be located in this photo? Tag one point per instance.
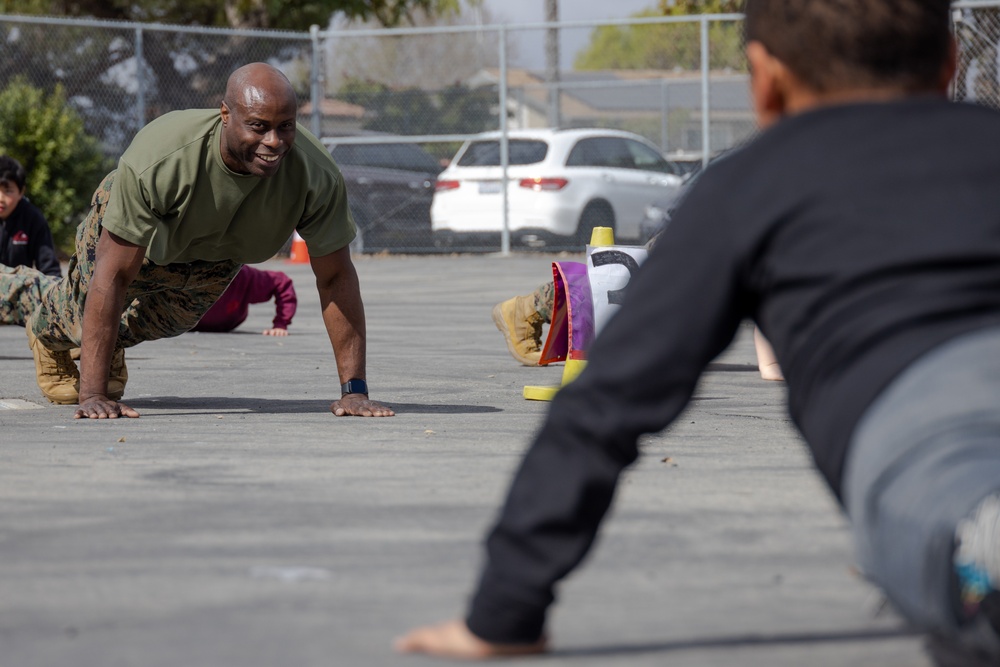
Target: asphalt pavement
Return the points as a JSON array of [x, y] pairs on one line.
[[239, 523]]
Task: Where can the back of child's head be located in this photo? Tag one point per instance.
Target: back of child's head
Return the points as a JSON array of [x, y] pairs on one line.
[[835, 45], [11, 172]]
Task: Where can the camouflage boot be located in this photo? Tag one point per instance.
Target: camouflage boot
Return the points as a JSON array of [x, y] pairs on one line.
[[521, 326], [55, 373]]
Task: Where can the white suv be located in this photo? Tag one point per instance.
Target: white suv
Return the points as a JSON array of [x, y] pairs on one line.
[[561, 184]]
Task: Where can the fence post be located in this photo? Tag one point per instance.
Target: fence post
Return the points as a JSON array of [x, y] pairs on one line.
[[664, 115], [140, 80], [705, 142], [504, 145], [315, 84], [552, 62]]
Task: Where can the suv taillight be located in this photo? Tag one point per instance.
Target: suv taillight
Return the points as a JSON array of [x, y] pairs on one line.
[[539, 184], [445, 185]]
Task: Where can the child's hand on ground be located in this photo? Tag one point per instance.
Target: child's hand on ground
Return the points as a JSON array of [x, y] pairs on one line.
[[454, 640], [275, 332]]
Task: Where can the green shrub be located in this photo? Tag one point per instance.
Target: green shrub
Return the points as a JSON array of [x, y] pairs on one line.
[[64, 163]]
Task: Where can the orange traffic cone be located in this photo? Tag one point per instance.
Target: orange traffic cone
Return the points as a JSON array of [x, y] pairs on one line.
[[300, 253]]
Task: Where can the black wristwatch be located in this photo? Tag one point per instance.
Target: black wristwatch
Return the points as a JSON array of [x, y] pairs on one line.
[[354, 386]]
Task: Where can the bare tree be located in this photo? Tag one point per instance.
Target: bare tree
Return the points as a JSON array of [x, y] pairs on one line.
[[430, 61]]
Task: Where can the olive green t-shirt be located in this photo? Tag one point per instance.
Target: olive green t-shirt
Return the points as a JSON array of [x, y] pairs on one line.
[[173, 194]]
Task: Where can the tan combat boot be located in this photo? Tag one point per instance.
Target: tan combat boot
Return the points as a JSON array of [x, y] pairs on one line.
[[55, 372], [521, 326], [117, 378]]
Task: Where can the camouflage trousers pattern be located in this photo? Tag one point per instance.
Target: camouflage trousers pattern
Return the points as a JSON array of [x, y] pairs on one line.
[[162, 301], [20, 287], [544, 300]]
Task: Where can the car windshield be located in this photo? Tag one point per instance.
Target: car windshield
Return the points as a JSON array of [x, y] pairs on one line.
[[390, 156], [487, 153]]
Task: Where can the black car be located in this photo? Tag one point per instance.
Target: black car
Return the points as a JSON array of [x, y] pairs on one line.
[[389, 188]]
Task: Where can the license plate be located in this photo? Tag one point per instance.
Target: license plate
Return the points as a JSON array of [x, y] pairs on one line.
[[489, 187]]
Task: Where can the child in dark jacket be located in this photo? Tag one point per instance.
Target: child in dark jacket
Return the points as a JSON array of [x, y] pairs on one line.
[[25, 238]]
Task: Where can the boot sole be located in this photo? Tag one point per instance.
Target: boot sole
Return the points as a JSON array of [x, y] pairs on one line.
[[62, 401], [69, 399], [114, 396]]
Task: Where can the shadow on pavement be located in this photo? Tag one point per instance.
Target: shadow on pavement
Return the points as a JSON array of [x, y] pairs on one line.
[[732, 368], [745, 641], [214, 404]]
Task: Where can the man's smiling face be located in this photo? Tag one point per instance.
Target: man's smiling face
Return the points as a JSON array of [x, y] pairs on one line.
[[258, 126]]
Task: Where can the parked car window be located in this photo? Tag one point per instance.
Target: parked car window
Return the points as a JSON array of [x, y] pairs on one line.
[[390, 156], [648, 159], [391, 189], [487, 153], [413, 158], [601, 152]]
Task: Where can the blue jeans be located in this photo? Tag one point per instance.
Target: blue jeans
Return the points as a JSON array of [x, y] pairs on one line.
[[923, 455]]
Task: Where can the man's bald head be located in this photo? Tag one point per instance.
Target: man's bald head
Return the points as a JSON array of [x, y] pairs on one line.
[[251, 83], [258, 120]]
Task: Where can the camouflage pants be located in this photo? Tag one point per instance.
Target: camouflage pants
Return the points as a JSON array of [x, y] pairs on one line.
[[20, 290], [162, 301], [545, 297]]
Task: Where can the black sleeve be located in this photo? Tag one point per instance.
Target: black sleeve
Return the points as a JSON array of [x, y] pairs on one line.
[[683, 309], [47, 261], [43, 249]]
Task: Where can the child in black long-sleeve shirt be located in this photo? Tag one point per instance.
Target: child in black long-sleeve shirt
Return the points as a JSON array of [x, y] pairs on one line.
[[877, 280], [25, 237]]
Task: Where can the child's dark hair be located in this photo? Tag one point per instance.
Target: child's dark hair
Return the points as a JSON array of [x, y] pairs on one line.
[[11, 171], [841, 44]]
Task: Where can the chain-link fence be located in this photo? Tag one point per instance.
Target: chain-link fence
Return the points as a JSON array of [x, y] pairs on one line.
[[394, 106], [977, 29]]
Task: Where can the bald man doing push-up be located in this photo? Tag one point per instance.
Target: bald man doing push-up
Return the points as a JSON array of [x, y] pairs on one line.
[[197, 194]]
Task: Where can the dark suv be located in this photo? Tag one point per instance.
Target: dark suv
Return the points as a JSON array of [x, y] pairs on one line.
[[389, 188]]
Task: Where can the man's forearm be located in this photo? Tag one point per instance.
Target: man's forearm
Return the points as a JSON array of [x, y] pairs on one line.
[[344, 317], [117, 264], [101, 316]]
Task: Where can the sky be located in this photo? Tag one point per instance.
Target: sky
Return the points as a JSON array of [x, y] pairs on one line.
[[530, 50]]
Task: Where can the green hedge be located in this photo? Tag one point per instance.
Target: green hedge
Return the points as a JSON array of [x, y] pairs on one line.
[[64, 164]]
